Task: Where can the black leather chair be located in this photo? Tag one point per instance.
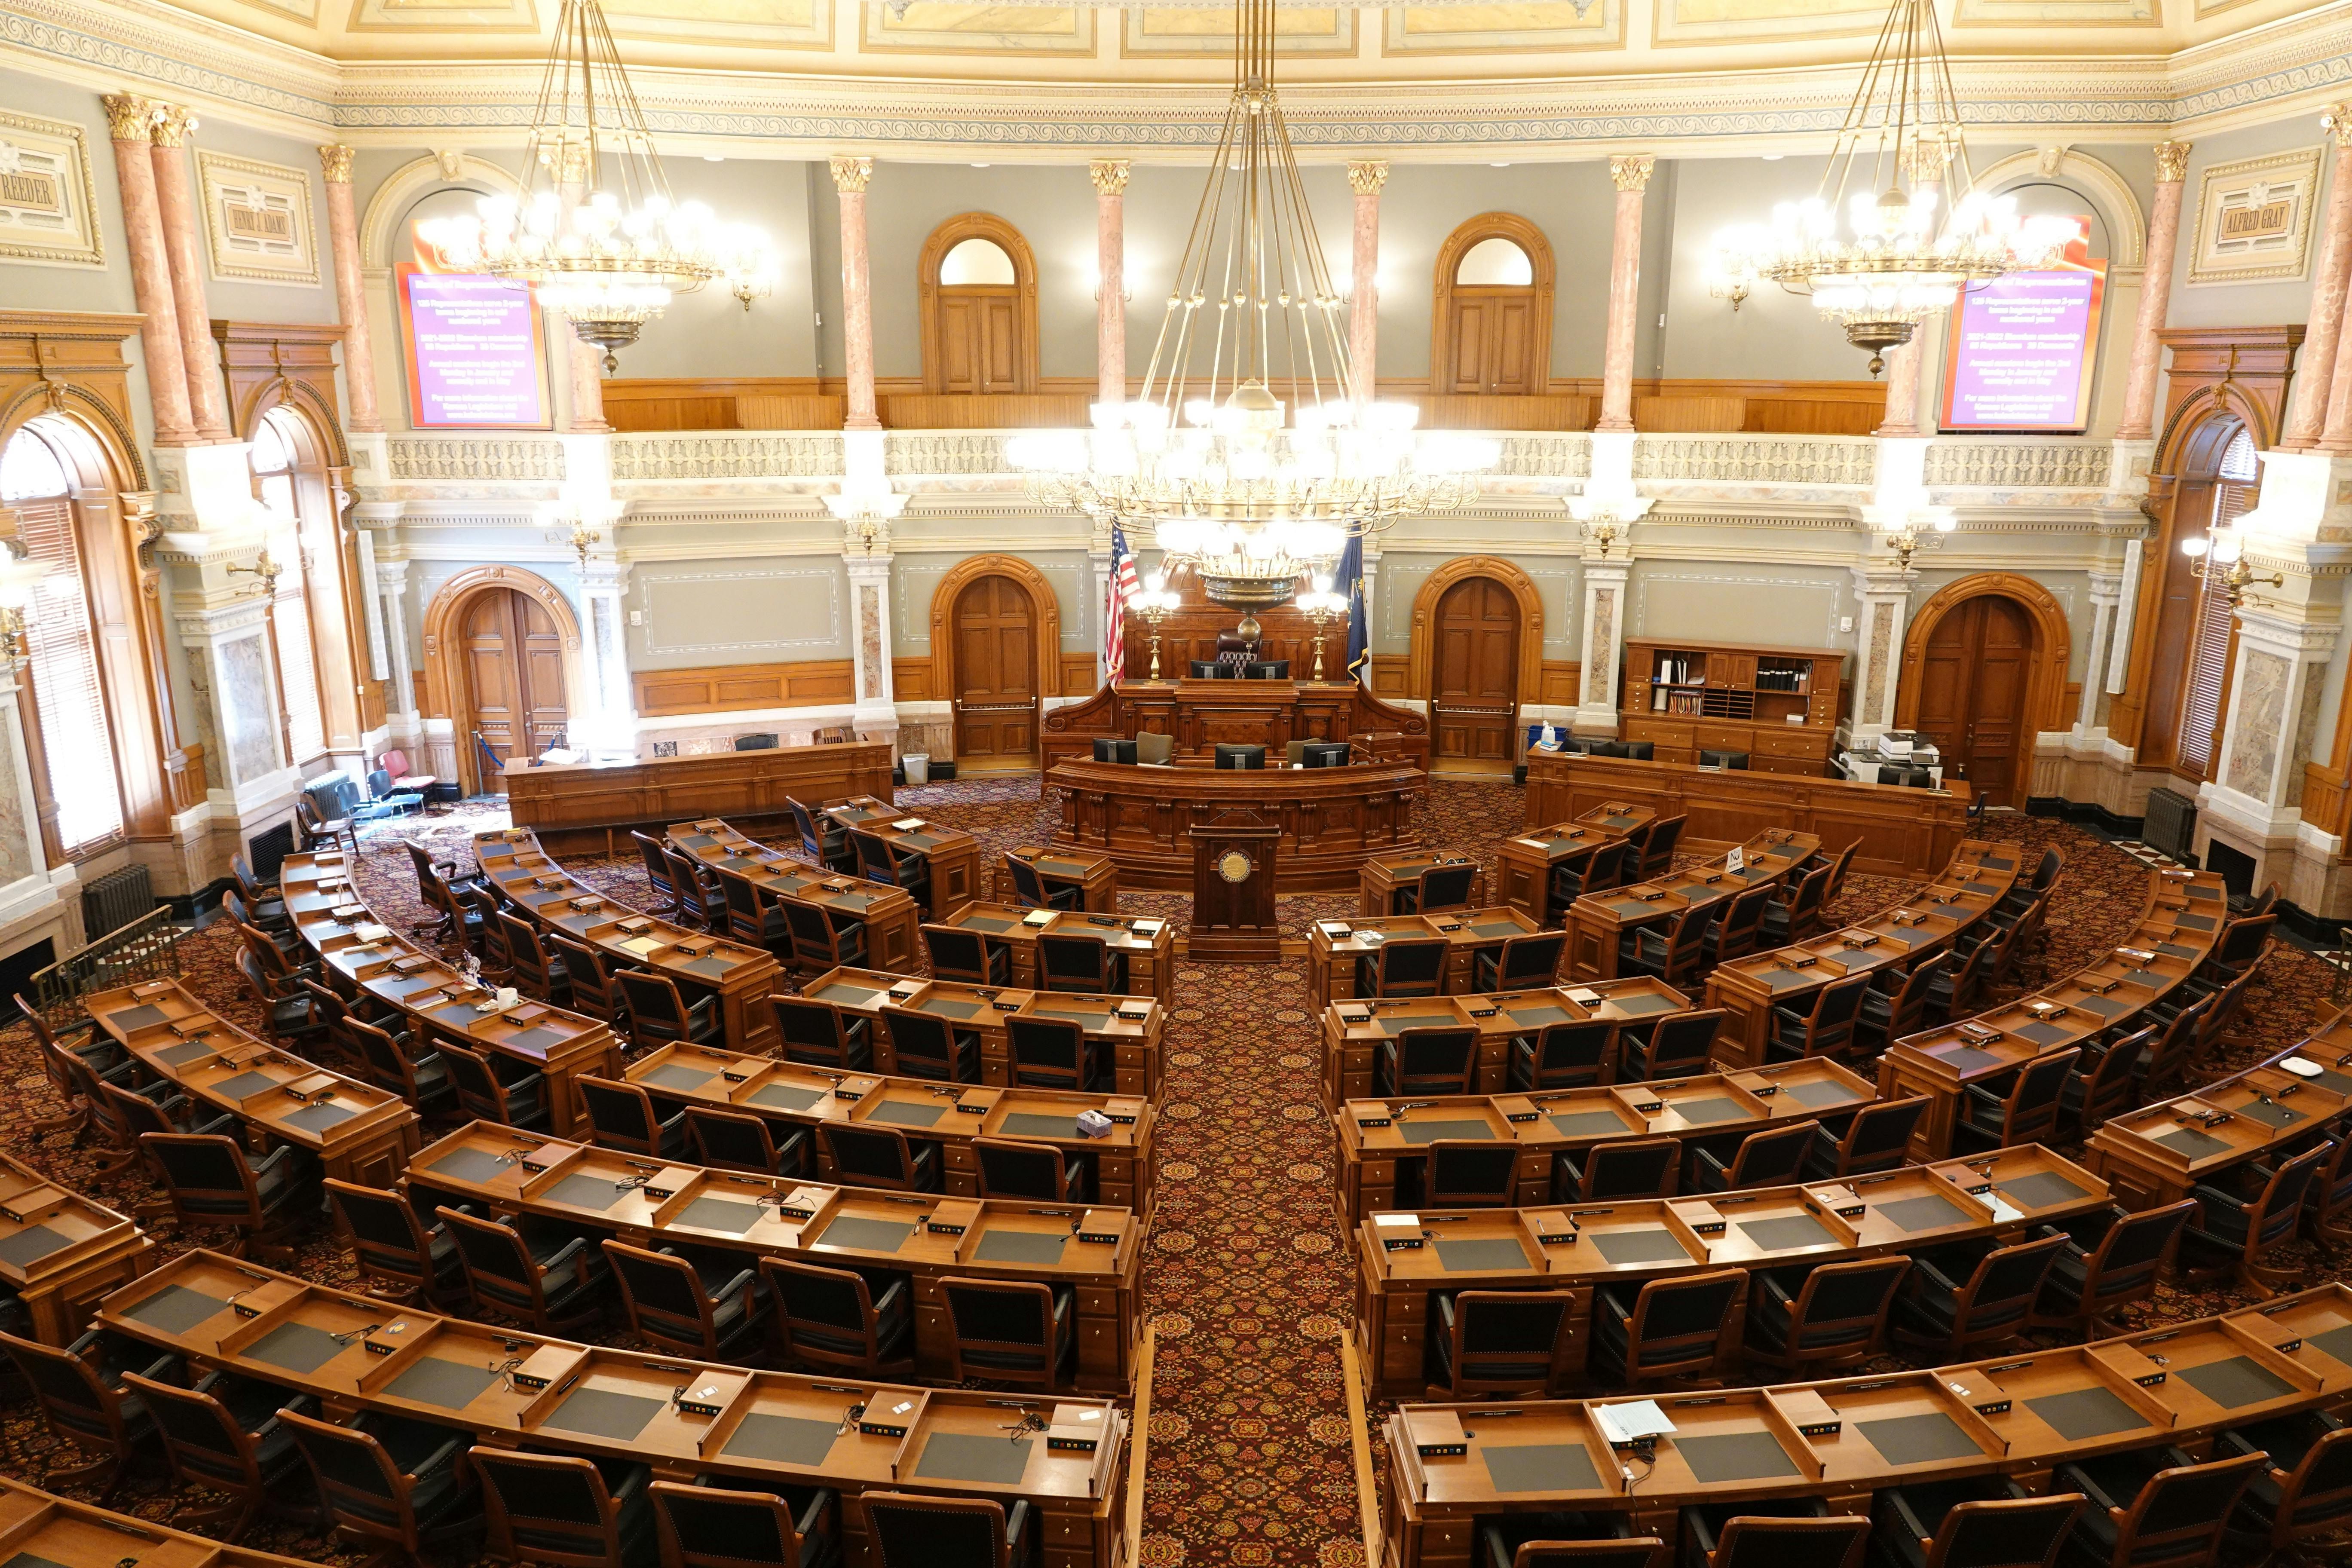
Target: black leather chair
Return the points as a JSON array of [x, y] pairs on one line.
[[658, 1013], [1564, 1056], [1468, 1174], [1520, 963], [1073, 961], [1774, 1157], [1981, 1521], [385, 1479], [1486, 1342], [1629, 1168], [924, 1045], [1008, 1168], [1437, 888], [2026, 1113], [1437, 1060], [737, 1141], [2109, 1261], [879, 1157], [1012, 1331], [391, 1242], [711, 1527], [1874, 1140], [1800, 1319], [1773, 1532], [622, 1115], [2304, 1491], [540, 1274], [1826, 1029], [966, 957], [706, 1307], [1031, 891], [564, 1510], [2230, 1234], [1667, 1328], [832, 1318], [819, 1034], [2154, 1506], [1677, 1046], [224, 1435], [910, 1532], [1051, 1053], [1961, 1298], [1405, 966]]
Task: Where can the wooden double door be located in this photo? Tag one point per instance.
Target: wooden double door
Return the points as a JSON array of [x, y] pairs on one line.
[[1495, 347], [513, 685], [996, 676], [979, 339], [1973, 682], [1474, 696]]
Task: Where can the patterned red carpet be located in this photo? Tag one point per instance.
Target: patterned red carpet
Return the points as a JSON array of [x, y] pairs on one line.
[[1248, 1273]]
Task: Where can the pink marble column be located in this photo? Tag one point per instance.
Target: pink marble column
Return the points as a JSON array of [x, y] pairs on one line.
[[350, 298], [1366, 177], [850, 178], [1631, 173], [1904, 365], [585, 359], [2336, 433], [1110, 176], [2315, 367], [130, 121], [177, 205], [2155, 289]]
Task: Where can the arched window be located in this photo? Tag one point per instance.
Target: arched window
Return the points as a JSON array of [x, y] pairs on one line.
[[274, 464], [68, 696], [976, 261], [977, 283], [1491, 333]]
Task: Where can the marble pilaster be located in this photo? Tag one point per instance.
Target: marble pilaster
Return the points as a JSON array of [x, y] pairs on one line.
[[2253, 803], [175, 205], [1908, 362], [2155, 284], [1883, 589], [850, 178], [130, 121], [351, 294], [1110, 175], [1366, 178], [1631, 173], [1604, 635]]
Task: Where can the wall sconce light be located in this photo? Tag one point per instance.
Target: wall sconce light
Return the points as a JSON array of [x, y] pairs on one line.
[[2223, 547], [1906, 540], [584, 538], [1726, 286], [265, 569], [18, 577], [1601, 531]]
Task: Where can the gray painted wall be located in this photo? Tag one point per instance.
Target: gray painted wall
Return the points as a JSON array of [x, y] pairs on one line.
[[2244, 304]]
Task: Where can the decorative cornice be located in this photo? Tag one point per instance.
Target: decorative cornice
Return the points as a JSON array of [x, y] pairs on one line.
[[2171, 161], [335, 162], [1110, 175], [1367, 175]]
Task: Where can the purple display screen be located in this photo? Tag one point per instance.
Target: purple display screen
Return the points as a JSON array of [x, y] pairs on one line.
[[474, 352], [2020, 353]]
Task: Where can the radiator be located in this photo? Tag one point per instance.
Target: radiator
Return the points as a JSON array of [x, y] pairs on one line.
[[265, 852], [116, 900], [2171, 822]]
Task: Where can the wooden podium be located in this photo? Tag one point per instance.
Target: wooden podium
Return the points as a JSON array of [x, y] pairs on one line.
[[1233, 889]]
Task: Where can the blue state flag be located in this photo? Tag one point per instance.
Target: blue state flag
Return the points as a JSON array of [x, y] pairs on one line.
[[1347, 578]]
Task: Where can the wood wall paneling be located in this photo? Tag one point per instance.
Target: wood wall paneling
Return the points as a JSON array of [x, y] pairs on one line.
[[734, 688]]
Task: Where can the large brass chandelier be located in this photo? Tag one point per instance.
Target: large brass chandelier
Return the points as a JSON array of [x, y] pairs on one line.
[[594, 228], [1253, 450], [1915, 231]]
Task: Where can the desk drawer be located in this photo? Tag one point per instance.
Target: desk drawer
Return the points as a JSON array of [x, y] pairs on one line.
[[1789, 740], [1664, 732]]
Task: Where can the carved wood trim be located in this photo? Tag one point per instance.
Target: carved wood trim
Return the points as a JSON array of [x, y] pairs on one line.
[[1044, 606], [1529, 238], [441, 654], [946, 237], [2045, 686], [1421, 651]]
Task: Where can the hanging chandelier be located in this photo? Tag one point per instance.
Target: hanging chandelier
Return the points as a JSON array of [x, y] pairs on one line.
[[1253, 450], [1915, 232], [594, 228]]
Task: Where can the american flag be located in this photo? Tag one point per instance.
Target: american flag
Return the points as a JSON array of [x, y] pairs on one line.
[[1124, 586]]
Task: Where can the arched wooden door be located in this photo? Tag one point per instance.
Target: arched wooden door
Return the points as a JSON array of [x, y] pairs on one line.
[[1973, 684], [1474, 677], [511, 665], [994, 627]]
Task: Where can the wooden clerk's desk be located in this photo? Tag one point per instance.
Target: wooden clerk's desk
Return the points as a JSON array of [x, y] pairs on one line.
[[1924, 924], [1132, 1026], [59, 1253], [950, 1115], [743, 977], [1596, 922], [1354, 1030], [584, 806], [356, 1131], [1147, 943], [1201, 715], [1377, 1136], [893, 921], [2016, 1415], [1334, 946], [435, 997], [952, 854], [1331, 819], [1406, 1260], [1523, 862], [1384, 875], [1095, 876], [1904, 832], [2180, 925], [38, 1528], [762, 1428], [927, 1236]]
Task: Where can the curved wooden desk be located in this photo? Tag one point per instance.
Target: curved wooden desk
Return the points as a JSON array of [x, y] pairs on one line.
[[1200, 715], [891, 917], [1128, 1028], [594, 805], [59, 1252], [39, 1527], [1354, 1029], [1332, 819], [1597, 921]]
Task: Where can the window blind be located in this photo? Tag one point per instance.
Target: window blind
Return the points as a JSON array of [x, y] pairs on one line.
[[2209, 655], [67, 692]]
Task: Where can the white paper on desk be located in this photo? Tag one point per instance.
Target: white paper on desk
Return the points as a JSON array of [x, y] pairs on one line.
[[1737, 860], [2300, 1067], [2001, 1213], [1626, 1423]]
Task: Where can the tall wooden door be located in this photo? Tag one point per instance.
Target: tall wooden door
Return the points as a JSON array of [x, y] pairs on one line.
[[514, 681], [979, 338], [1474, 677], [995, 676], [1493, 341], [1972, 692]]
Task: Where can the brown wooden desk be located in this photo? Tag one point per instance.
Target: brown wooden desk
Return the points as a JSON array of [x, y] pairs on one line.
[[1147, 943], [1201, 715], [926, 1236], [741, 977], [953, 855], [336, 925], [1903, 832], [1523, 862], [1334, 946], [1406, 1260], [356, 1131], [769, 1428], [1331, 819], [1095, 876], [1924, 924], [892, 919], [2178, 928], [1381, 1139], [1597, 921], [1384, 875], [583, 806], [1132, 1026], [59, 1253], [2016, 1415], [950, 1116], [36, 1527], [1352, 1031]]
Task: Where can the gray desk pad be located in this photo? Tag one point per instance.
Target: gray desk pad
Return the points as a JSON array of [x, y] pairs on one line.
[[317, 1118], [596, 1192], [2271, 1115], [297, 1347], [241, 1085], [1923, 1212], [471, 1165], [2195, 1145], [181, 1055], [1536, 1017], [2192, 922], [2174, 950], [843, 994], [720, 1214], [1635, 908], [1542, 1467], [1624, 1248], [2104, 1006], [2041, 1034], [1966, 1059], [2236, 1382], [1398, 1023], [1998, 864], [1980, 886], [1494, 927], [176, 1308], [1715, 1457], [785, 1097], [695, 841], [536, 1040], [1756, 873], [1781, 978], [136, 1017], [1481, 1254], [907, 1113], [1586, 1123], [1038, 1124], [2040, 1189], [2147, 977], [451, 1384], [2335, 1343], [2197, 892], [1642, 1007], [786, 1439], [1785, 1231], [1909, 936], [26, 1560], [1088, 1018], [2332, 1081], [1021, 1246], [1927, 1440], [866, 1235], [675, 1075], [1431, 1131], [965, 1456], [31, 1244], [1823, 1092], [949, 1006], [1708, 1110], [710, 968], [987, 922], [603, 1412], [2080, 1415]]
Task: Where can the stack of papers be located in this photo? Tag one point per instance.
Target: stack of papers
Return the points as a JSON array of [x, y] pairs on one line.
[[1628, 1423]]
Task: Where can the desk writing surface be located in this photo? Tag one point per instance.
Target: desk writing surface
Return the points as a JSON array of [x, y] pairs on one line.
[[176, 1308], [1590, 1123], [2041, 1189], [2236, 1382], [2082, 1413], [1005, 1245], [720, 1214], [1418, 1132], [1788, 1232], [866, 1235], [433, 1380], [1541, 1467], [906, 1113], [1929, 1438], [297, 1347], [1924, 1213], [1486, 1255], [1719, 1458], [968, 1457], [2191, 1144], [796, 1440], [1818, 1095], [603, 1412], [1650, 1244]]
